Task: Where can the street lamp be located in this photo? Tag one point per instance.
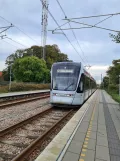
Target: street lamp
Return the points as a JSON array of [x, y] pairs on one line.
[[119, 85], [10, 64], [119, 80]]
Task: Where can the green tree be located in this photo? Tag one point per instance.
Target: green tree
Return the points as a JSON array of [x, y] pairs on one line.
[[30, 69], [53, 54], [106, 81], [114, 72], [116, 38]]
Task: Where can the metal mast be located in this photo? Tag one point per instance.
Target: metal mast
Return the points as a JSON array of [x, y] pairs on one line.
[[44, 25]]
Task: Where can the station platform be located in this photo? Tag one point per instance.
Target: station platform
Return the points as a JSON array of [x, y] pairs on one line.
[[92, 134], [10, 94]]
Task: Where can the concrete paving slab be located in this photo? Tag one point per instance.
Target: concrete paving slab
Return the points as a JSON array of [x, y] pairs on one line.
[[99, 160], [70, 157], [89, 155], [102, 153], [79, 137], [102, 132], [94, 128], [115, 158], [75, 147], [84, 125], [92, 135], [101, 127], [91, 144], [102, 141]]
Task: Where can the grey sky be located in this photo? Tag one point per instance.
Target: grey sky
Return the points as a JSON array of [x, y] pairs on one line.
[[96, 43]]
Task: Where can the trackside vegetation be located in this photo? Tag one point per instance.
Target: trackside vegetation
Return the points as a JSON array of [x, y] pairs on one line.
[[111, 81], [27, 65]]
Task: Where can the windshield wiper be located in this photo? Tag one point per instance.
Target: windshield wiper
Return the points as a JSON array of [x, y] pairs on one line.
[[69, 86]]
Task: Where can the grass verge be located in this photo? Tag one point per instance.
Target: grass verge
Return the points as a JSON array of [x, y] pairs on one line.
[[18, 87], [114, 95]]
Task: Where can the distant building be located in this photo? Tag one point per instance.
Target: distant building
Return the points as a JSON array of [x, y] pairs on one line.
[[1, 76]]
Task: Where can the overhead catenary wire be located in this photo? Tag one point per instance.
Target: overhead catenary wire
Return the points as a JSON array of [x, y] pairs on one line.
[[61, 30], [72, 31], [6, 28], [16, 42], [82, 27], [103, 20], [90, 26], [9, 43], [102, 15], [19, 29]]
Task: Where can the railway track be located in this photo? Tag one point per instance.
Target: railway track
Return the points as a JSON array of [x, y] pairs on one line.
[[20, 100], [20, 140]]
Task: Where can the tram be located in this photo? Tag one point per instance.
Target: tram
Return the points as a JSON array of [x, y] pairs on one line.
[[71, 84]]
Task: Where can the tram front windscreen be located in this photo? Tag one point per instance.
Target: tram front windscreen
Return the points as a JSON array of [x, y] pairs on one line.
[[65, 77]]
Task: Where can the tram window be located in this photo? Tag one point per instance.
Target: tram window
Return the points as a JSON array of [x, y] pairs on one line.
[[80, 88], [87, 83]]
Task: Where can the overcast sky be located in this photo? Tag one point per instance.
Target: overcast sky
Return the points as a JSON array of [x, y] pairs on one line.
[[98, 48]]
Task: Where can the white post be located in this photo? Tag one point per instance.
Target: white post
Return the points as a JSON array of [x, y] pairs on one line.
[[119, 85], [10, 78]]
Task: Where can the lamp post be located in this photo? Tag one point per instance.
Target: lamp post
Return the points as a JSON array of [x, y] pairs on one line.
[[119, 84], [10, 75], [119, 80]]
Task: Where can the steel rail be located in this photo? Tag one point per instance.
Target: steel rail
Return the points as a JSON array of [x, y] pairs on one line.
[[26, 152], [18, 125], [23, 100]]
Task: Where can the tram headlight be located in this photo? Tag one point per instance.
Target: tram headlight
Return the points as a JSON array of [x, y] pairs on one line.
[[62, 95], [68, 95], [55, 94]]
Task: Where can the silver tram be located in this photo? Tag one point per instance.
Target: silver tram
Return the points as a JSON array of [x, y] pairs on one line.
[[71, 84]]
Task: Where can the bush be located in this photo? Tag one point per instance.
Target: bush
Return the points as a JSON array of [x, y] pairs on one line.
[[4, 89], [16, 87], [28, 87], [114, 88]]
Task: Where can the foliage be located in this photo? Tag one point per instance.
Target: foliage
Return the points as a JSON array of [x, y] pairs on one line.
[[16, 87], [30, 69], [106, 82], [116, 38], [4, 89], [114, 72], [53, 54], [114, 95], [114, 88], [28, 65], [28, 86], [111, 81]]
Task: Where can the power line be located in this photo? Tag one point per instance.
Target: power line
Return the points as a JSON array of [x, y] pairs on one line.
[[82, 27], [103, 20], [111, 14], [103, 28], [75, 28], [6, 28], [61, 8], [10, 43], [72, 30], [16, 42], [19, 29], [62, 30]]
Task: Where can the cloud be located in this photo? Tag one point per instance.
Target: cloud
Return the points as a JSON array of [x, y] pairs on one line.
[[97, 70], [98, 48], [2, 65]]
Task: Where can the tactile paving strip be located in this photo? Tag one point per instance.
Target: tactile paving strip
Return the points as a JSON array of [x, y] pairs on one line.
[[113, 139]]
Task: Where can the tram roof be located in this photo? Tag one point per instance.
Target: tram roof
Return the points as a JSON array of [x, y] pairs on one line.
[[68, 63]]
